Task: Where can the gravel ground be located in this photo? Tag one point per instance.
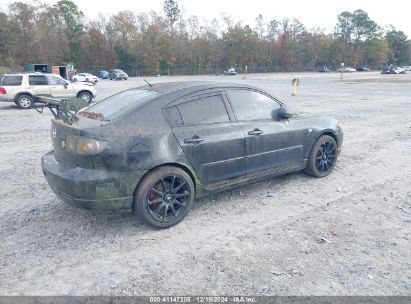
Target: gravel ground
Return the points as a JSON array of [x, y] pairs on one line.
[[346, 234]]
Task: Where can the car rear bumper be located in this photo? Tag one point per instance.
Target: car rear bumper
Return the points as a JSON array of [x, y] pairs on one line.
[[5, 99], [88, 188]]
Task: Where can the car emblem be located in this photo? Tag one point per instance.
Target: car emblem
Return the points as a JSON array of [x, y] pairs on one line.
[[54, 134], [63, 144]]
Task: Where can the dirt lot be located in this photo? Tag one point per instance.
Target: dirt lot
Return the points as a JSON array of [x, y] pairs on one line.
[[347, 234]]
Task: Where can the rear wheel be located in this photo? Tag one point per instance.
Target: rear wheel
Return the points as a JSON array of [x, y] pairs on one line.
[[25, 101], [164, 197], [86, 96], [323, 157]]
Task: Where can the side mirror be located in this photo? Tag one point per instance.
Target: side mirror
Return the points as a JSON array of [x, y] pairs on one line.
[[285, 112], [65, 85]]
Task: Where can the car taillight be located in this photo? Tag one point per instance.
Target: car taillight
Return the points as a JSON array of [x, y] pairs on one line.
[[83, 145], [3, 91]]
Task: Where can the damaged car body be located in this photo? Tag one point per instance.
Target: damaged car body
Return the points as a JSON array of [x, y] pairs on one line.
[[156, 148]]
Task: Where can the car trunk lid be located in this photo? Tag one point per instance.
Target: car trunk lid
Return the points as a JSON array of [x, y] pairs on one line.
[[62, 133]]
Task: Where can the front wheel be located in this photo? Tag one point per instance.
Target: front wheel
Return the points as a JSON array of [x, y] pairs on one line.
[[86, 96], [164, 197], [323, 157], [25, 101]]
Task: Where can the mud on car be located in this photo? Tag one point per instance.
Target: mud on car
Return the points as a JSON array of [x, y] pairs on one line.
[[154, 149]]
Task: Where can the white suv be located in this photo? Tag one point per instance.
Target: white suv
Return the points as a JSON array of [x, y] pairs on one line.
[[23, 88]]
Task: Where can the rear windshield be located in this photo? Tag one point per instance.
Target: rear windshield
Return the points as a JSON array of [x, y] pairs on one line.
[[114, 106], [11, 80]]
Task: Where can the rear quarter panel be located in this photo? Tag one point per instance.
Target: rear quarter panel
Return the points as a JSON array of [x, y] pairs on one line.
[[142, 140]]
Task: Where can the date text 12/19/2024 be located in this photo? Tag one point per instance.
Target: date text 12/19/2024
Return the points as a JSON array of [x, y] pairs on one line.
[[203, 299]]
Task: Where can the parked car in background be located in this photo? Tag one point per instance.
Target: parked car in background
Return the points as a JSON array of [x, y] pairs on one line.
[[117, 74], [362, 69], [206, 137], [346, 70], [103, 74], [323, 69], [407, 68], [392, 69], [22, 88], [230, 71], [85, 77]]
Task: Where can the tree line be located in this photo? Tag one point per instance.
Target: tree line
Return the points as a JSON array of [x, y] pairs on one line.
[[169, 43]]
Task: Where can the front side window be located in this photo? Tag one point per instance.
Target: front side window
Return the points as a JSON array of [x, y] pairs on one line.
[[56, 81], [11, 80], [37, 80], [210, 109], [251, 105]]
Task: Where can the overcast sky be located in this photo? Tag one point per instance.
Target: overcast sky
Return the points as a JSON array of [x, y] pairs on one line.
[[314, 13]]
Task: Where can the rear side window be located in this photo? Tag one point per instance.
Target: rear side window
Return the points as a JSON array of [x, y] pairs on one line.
[[173, 116], [37, 80], [121, 103], [210, 109], [11, 80]]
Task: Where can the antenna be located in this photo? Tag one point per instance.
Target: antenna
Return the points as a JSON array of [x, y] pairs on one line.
[[149, 84]]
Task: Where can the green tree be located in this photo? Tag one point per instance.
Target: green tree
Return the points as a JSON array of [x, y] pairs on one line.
[[74, 29], [353, 30], [260, 26], [355, 27], [375, 52], [399, 47], [172, 11], [22, 27]]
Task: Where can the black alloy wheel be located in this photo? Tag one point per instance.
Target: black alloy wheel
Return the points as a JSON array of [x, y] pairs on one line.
[[164, 197], [323, 157]]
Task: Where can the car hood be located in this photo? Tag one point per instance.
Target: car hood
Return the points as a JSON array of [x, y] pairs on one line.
[[84, 84]]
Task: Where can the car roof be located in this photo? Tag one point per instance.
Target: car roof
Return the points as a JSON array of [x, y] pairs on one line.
[[31, 74], [191, 86], [176, 90]]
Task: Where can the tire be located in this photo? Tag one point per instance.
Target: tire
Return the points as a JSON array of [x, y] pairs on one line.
[[323, 157], [171, 193], [25, 101], [85, 96]]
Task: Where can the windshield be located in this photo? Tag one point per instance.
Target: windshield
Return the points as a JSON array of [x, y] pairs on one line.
[[114, 106]]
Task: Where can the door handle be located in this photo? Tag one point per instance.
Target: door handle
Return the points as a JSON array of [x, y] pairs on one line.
[[256, 132], [193, 140]]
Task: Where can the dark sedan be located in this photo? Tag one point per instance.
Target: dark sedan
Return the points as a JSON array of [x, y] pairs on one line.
[[362, 69], [154, 149], [103, 74]]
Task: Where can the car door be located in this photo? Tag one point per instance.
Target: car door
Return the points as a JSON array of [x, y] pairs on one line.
[[271, 144], [39, 85], [59, 88], [212, 142]]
